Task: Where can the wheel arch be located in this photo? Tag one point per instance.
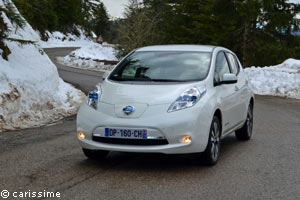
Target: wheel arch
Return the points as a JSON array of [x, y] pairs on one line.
[[251, 102], [218, 114]]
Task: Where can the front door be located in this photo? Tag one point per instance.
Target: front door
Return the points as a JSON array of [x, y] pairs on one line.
[[240, 88], [227, 93]]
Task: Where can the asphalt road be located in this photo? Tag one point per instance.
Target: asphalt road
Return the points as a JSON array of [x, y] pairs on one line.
[[267, 167], [82, 79]]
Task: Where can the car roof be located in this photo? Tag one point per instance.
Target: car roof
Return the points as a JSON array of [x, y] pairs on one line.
[[203, 48]]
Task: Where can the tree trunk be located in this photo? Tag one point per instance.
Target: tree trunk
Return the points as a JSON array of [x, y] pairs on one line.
[[3, 47], [245, 43]]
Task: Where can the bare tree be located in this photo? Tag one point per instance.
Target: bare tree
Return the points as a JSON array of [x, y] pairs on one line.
[[139, 28]]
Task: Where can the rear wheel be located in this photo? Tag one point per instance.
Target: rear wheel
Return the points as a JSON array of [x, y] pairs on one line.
[[95, 154], [212, 151], [245, 133]]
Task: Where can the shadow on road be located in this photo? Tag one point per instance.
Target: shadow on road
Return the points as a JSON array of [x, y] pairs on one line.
[[143, 162]]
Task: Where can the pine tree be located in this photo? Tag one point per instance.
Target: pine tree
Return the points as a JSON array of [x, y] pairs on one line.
[[65, 15], [191, 22], [40, 14], [69, 13], [267, 26], [12, 14], [4, 50], [260, 31], [101, 20]]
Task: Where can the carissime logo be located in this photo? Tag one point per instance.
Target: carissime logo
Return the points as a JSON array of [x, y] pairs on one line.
[[4, 194], [29, 194]]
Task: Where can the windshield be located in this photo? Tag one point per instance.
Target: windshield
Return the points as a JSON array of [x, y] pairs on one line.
[[163, 66]]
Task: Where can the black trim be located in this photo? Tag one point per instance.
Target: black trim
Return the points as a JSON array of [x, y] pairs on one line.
[[228, 63], [228, 82], [142, 142], [236, 62]]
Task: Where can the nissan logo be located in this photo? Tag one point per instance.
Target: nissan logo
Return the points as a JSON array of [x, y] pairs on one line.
[[128, 110]]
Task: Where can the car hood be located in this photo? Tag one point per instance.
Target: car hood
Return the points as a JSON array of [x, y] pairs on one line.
[[150, 94]]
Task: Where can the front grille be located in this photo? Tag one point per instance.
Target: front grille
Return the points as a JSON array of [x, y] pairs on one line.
[[147, 142]]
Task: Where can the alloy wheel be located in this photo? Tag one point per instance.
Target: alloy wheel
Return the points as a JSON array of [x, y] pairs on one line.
[[215, 141], [249, 122]]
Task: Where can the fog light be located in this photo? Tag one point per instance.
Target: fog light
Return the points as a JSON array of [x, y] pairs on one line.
[[186, 139], [81, 135]]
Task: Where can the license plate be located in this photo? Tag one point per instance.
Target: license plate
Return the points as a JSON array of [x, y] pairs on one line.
[[126, 133]]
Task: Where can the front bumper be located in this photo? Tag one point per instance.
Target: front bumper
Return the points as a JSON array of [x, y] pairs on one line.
[[194, 122]]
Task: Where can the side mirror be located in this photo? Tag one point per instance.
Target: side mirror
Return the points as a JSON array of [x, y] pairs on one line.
[[105, 75], [229, 79]]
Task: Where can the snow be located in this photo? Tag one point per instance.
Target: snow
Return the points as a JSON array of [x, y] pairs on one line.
[[91, 57], [58, 39], [95, 52], [281, 80], [94, 35], [31, 92]]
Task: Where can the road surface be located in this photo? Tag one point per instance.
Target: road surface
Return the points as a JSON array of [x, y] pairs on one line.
[[267, 167]]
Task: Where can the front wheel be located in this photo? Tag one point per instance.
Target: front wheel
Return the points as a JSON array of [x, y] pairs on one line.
[[245, 133], [212, 151], [95, 154]]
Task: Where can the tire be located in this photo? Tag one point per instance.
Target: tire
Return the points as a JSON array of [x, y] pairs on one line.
[[95, 154], [245, 133], [212, 152]]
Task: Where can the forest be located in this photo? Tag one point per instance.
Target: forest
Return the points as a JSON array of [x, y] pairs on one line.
[[261, 32]]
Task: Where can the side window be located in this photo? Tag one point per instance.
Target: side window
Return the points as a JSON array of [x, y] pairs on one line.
[[239, 63], [222, 67], [233, 63]]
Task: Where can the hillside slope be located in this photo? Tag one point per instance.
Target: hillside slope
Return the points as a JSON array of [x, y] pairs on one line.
[[31, 92]]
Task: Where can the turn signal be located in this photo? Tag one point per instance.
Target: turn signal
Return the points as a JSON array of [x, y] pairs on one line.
[[81, 135], [186, 139]]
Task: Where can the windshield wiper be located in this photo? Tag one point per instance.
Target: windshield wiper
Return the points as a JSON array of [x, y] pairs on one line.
[[130, 79], [146, 79], [167, 80]]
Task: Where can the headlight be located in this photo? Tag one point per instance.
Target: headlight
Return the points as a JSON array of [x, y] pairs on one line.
[[94, 97], [188, 99]]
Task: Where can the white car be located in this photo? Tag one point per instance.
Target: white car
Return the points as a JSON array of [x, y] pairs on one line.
[[171, 99]]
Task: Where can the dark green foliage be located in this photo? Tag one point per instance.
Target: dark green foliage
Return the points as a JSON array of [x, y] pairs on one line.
[[96, 17], [21, 42], [3, 26], [13, 15], [69, 13], [64, 15], [112, 33], [101, 22], [10, 11], [191, 22], [34, 12], [261, 32], [3, 36]]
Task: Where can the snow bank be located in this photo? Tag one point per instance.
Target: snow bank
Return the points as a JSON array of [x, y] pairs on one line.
[[93, 57], [95, 52], [31, 92], [280, 80], [58, 39]]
